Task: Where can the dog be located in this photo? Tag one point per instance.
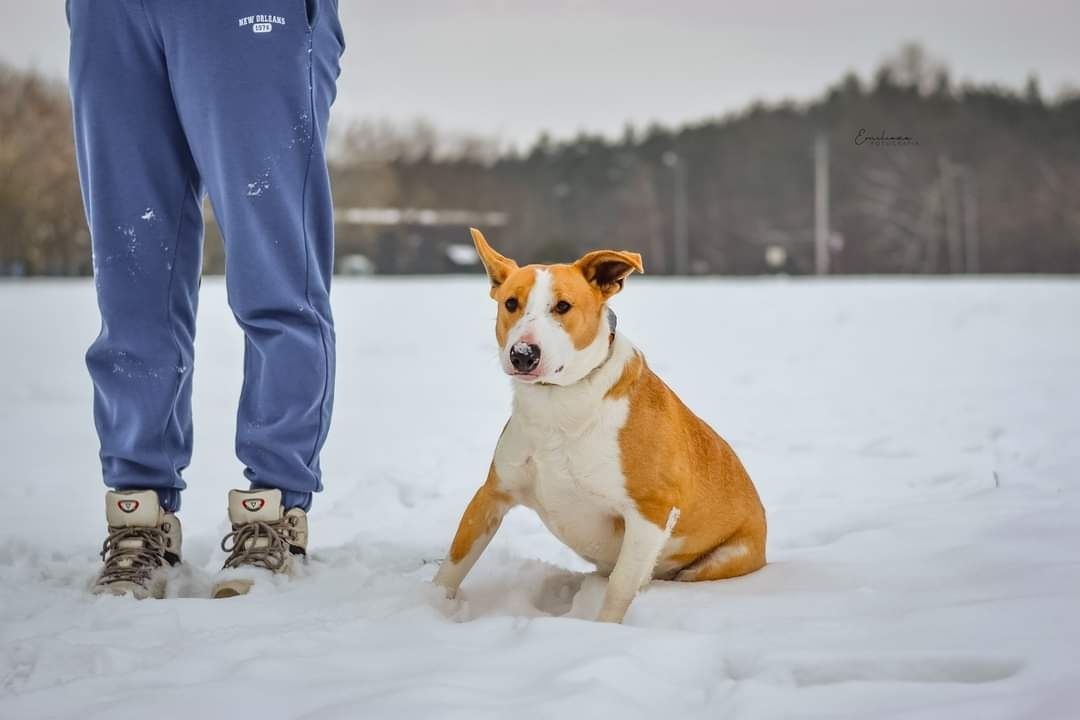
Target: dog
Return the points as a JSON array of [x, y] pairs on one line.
[[615, 465]]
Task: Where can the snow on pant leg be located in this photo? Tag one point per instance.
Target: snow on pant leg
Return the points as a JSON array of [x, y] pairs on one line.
[[254, 82], [141, 192]]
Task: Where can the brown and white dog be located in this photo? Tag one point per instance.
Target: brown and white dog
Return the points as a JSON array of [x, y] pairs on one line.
[[610, 459]]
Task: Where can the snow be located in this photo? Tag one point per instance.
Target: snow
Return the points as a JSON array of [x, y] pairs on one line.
[[915, 443]]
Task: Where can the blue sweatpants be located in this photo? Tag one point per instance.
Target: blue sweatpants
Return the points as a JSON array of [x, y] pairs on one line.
[[174, 100]]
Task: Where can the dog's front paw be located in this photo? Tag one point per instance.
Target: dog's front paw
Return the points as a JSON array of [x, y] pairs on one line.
[[441, 581], [610, 616]]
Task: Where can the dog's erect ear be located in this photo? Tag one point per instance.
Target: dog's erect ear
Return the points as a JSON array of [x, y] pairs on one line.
[[607, 269], [498, 267]]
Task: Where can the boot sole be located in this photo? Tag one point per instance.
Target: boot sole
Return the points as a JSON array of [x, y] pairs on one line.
[[121, 589], [231, 588]]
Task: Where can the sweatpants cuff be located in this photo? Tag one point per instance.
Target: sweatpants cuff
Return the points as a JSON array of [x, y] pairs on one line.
[[292, 499], [169, 499]]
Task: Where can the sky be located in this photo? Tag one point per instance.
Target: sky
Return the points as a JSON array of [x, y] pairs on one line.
[[508, 70]]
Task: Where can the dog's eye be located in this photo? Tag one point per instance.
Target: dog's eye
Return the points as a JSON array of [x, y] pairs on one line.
[[511, 304], [563, 307]]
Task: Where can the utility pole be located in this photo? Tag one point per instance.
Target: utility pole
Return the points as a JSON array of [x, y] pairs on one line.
[[951, 206], [971, 223], [680, 212], [821, 205]]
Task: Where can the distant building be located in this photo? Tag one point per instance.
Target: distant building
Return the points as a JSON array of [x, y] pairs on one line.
[[392, 241], [405, 241]]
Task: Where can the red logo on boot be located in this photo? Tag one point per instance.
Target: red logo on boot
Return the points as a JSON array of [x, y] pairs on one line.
[[254, 504], [128, 506]]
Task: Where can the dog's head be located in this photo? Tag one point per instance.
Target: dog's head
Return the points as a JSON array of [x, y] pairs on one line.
[[553, 325]]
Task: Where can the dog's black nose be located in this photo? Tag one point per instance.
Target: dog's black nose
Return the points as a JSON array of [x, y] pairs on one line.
[[525, 357]]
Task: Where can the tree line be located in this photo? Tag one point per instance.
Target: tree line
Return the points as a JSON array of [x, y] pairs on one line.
[[925, 176]]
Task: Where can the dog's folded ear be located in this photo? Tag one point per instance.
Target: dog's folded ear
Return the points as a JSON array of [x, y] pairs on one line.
[[607, 269], [498, 267]]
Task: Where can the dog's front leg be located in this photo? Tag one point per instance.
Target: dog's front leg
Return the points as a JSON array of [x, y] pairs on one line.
[[478, 525], [641, 546]]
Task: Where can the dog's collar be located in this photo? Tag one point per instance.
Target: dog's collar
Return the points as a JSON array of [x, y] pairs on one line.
[[610, 353], [612, 321]]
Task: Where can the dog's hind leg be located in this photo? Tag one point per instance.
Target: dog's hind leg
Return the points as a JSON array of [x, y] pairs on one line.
[[478, 525], [740, 554]]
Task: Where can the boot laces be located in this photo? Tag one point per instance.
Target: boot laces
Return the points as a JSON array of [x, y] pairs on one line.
[[131, 554], [244, 546]]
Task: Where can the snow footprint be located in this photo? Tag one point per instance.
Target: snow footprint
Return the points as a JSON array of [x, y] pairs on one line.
[[556, 593], [832, 670]]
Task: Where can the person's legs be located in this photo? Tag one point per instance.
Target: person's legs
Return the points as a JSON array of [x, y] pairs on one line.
[[253, 83], [142, 196]]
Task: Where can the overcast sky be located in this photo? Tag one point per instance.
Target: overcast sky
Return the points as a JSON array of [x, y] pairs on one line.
[[511, 68]]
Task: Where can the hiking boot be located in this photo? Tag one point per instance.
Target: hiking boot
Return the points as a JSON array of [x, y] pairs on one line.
[[266, 540], [143, 542]]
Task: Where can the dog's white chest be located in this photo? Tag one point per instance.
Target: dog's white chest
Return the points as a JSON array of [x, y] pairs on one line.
[[575, 481]]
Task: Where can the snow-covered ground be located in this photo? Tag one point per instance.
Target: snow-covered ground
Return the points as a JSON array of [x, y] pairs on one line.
[[916, 443]]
